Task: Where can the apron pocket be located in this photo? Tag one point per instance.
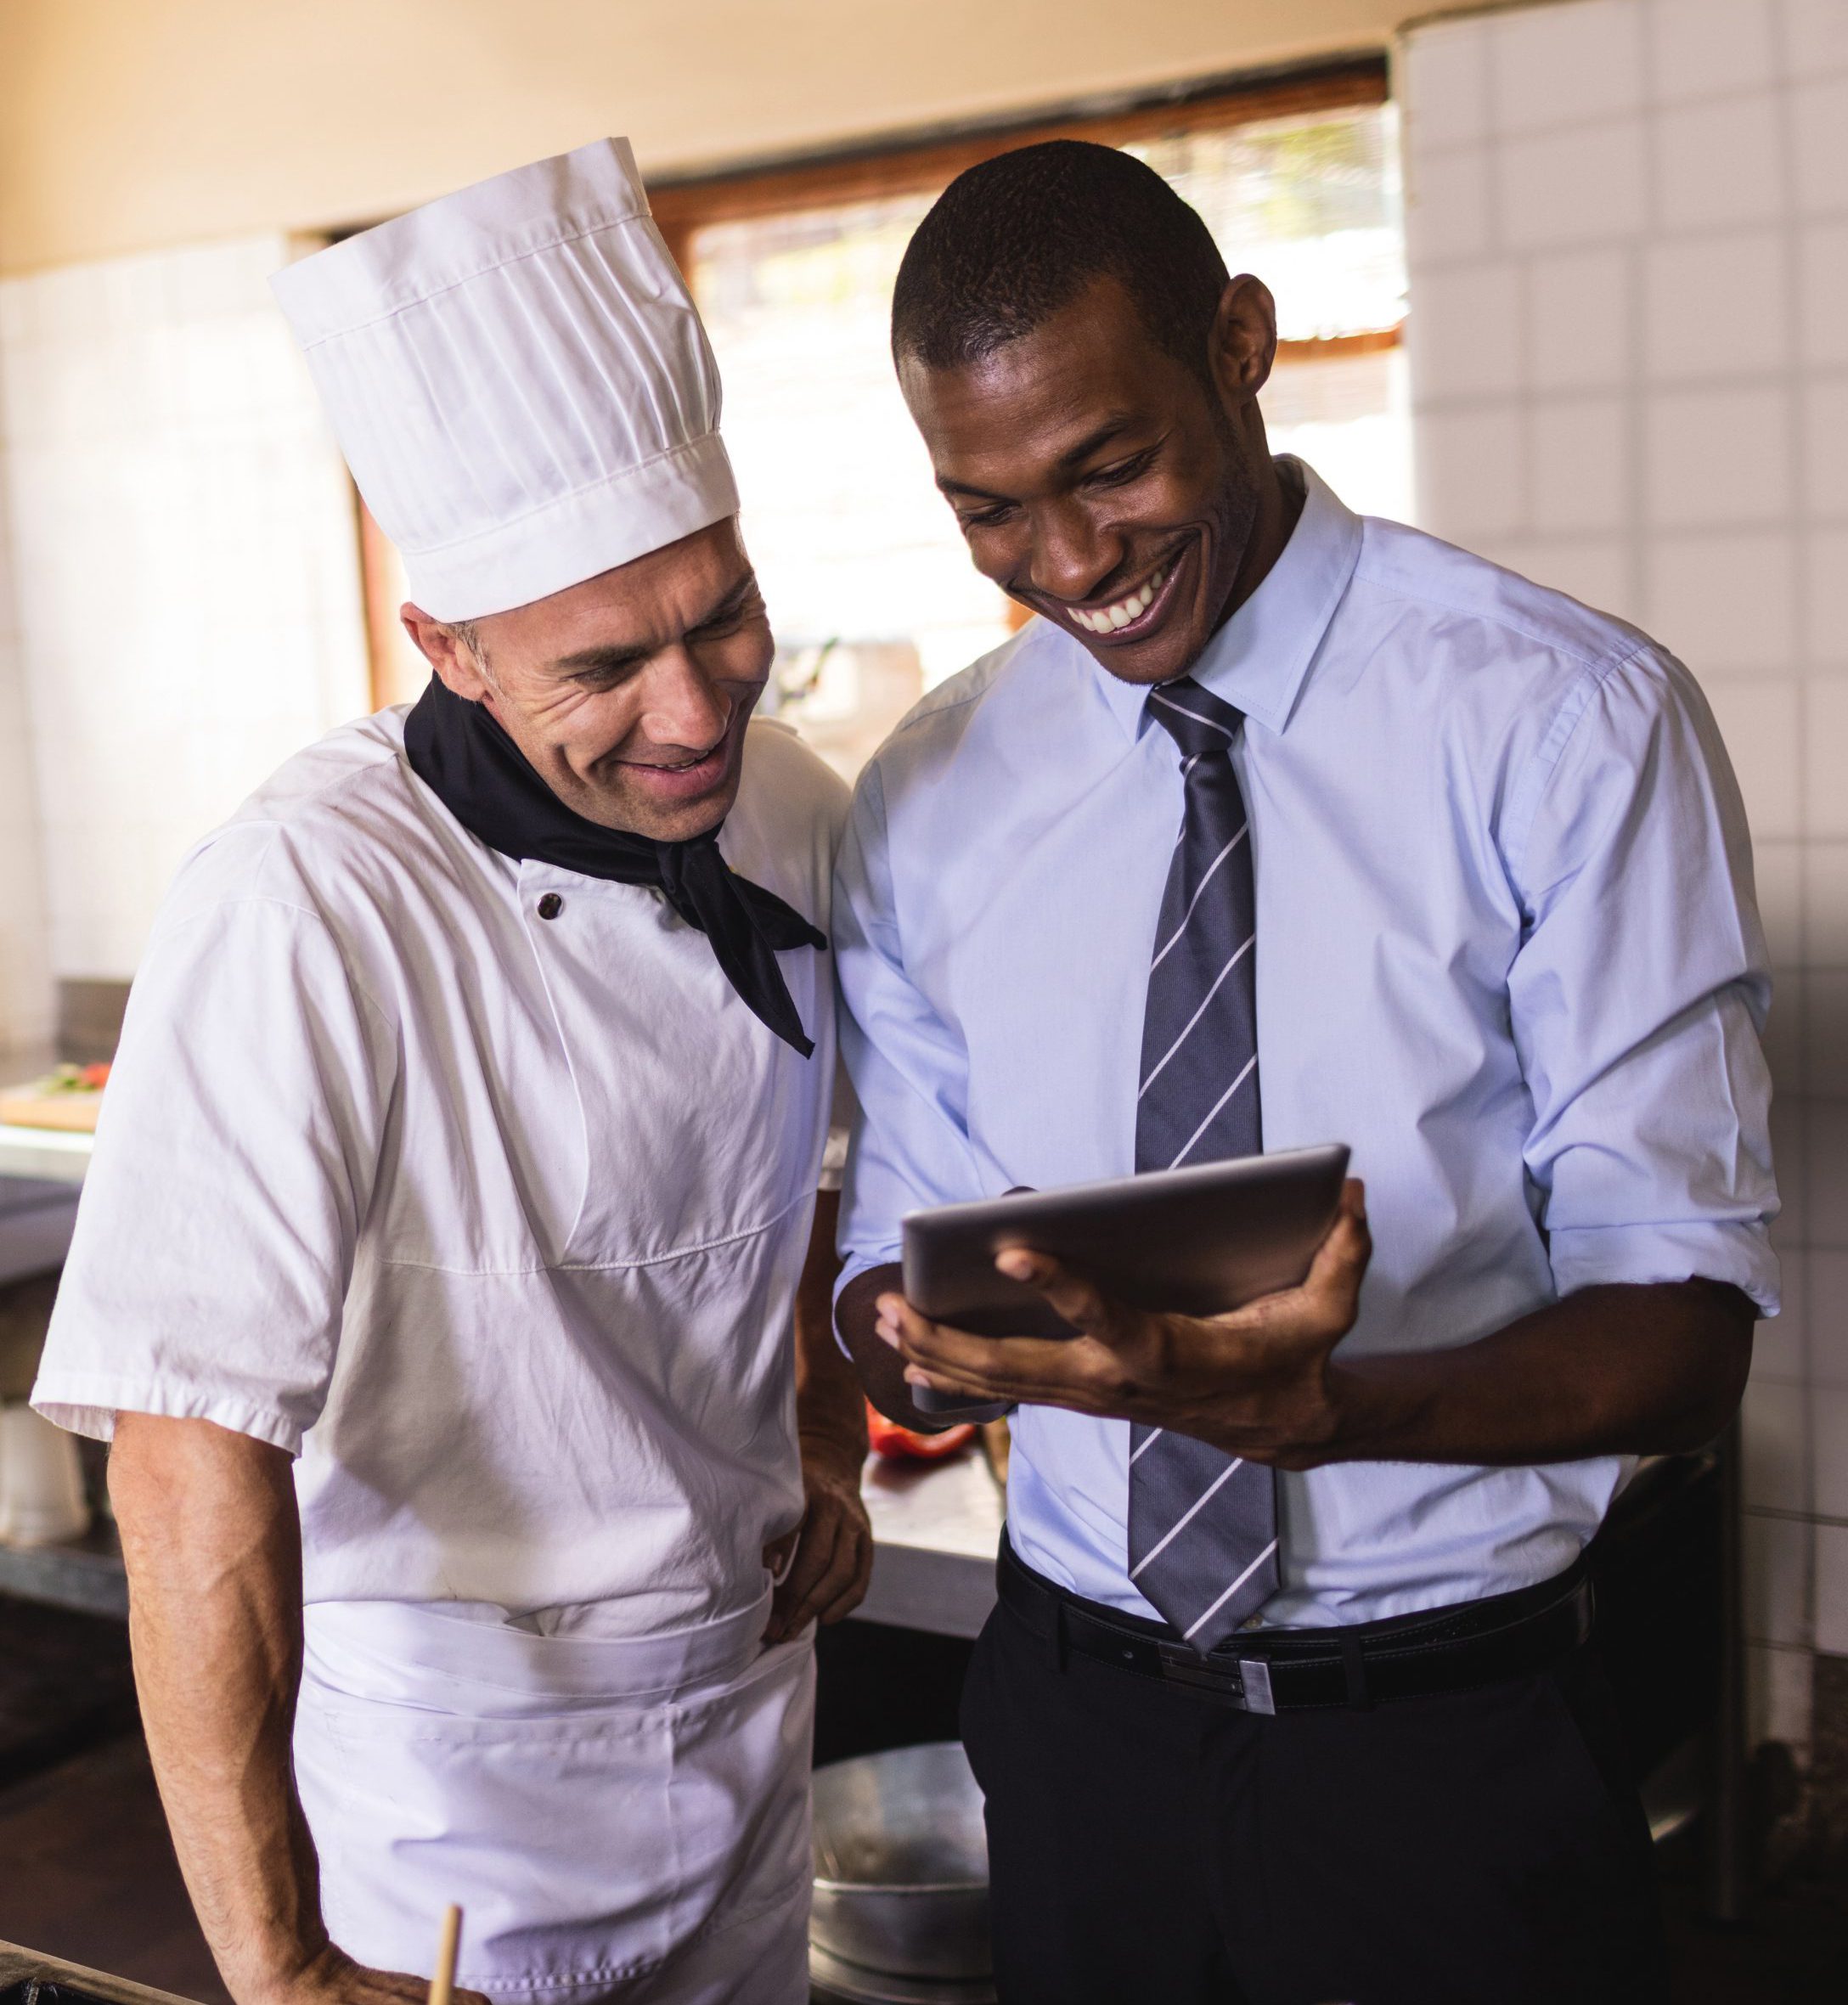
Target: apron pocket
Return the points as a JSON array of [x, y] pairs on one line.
[[556, 1835], [740, 1796]]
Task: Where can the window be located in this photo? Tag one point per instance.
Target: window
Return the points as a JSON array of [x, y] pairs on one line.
[[870, 590]]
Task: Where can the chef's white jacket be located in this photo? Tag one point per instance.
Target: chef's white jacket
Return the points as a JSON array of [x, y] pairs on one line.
[[494, 1219]]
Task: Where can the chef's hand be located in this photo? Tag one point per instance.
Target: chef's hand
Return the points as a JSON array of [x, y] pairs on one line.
[[833, 1544], [331, 1977], [1258, 1382]]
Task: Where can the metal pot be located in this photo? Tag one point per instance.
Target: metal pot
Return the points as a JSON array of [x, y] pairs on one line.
[[902, 1865]]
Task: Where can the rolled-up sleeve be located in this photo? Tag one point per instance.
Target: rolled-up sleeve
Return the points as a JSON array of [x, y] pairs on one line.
[[1640, 990], [909, 1071], [234, 1162]]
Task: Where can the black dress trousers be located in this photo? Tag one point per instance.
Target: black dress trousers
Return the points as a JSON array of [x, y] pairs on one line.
[[1150, 1847]]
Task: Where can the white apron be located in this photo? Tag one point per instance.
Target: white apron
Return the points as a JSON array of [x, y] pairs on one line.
[[625, 1818]]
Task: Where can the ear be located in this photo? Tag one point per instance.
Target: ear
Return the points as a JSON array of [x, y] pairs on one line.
[[1243, 343], [445, 651]]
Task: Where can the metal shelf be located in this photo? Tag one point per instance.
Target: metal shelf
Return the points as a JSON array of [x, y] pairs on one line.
[[84, 1573], [52, 1153]]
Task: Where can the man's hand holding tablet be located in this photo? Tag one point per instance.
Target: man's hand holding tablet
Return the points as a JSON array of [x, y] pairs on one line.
[[1256, 1381]]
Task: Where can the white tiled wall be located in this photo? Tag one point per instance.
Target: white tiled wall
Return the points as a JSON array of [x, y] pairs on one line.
[[1628, 230], [24, 963], [185, 569]]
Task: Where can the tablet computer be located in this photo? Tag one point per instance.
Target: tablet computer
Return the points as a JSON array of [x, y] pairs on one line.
[[1195, 1242]]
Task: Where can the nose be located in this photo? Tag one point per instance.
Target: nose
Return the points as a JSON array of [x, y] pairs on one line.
[[681, 709], [1072, 552]]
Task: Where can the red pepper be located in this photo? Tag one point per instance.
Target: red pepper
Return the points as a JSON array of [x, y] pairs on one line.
[[905, 1445]]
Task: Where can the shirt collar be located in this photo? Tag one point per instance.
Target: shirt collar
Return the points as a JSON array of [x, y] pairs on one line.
[[1258, 660]]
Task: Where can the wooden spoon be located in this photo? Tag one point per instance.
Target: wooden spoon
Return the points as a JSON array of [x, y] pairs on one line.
[[442, 1982]]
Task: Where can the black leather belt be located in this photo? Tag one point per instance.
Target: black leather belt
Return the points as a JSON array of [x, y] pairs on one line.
[[1286, 1670]]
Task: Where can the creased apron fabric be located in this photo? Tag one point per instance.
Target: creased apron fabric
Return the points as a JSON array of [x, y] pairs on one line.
[[622, 1816]]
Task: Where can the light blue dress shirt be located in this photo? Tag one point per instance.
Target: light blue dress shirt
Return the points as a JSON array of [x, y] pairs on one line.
[[1508, 948]]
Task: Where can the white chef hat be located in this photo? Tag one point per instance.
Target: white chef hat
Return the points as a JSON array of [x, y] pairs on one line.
[[519, 380]]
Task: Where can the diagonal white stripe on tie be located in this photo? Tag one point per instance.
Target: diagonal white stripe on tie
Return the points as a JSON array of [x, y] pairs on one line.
[[1188, 1516], [1198, 890], [1167, 702], [1219, 978], [1148, 1441], [1214, 1116], [1232, 1589]]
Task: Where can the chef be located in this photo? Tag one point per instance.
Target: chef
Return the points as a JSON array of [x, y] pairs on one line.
[[451, 1276]]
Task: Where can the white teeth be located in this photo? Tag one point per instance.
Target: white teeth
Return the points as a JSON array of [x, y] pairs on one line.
[[1113, 618]]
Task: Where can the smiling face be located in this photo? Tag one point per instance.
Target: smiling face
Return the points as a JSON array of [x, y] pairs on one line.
[[1104, 484], [628, 695]]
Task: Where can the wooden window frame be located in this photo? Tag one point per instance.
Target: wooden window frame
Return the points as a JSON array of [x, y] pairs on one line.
[[392, 676], [876, 172]]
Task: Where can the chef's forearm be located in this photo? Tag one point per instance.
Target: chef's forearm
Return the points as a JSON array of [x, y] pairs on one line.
[[211, 1537], [829, 1410], [1646, 1369]]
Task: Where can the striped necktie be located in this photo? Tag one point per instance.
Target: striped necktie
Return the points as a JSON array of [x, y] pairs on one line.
[[1202, 1524]]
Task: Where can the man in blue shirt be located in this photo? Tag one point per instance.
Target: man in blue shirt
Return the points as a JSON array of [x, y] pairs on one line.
[[1278, 827]]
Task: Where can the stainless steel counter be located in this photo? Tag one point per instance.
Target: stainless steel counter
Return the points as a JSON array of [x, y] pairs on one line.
[[936, 1527], [84, 1573], [46, 1152]]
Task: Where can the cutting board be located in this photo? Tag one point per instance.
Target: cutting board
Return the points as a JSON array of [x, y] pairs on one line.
[[73, 1113]]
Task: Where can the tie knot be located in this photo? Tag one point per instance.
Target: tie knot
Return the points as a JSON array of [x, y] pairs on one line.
[[1197, 719]]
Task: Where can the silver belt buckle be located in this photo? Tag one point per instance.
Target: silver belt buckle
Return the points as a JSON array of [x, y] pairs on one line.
[[1254, 1679]]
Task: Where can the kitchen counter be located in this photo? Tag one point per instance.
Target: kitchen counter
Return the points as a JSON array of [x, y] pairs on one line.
[[936, 1527], [83, 1574], [46, 1152]]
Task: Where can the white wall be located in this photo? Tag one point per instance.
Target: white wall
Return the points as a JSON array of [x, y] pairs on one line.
[[1628, 232], [185, 565], [127, 125], [26, 992]]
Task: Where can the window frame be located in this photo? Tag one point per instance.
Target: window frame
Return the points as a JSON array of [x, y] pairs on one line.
[[686, 204]]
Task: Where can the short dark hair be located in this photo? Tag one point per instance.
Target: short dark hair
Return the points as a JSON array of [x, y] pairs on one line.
[[1011, 241]]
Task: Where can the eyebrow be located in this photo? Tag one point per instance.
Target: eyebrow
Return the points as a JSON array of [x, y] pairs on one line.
[[605, 660], [1067, 462]]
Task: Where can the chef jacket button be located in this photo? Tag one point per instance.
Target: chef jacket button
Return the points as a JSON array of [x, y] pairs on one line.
[[551, 905]]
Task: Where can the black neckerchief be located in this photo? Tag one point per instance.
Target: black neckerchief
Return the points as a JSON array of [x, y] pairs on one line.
[[464, 756]]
